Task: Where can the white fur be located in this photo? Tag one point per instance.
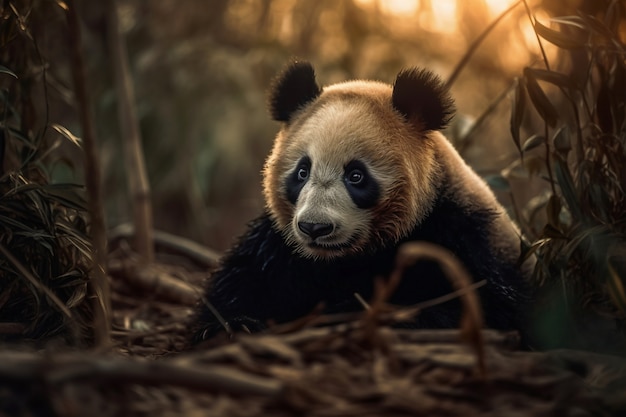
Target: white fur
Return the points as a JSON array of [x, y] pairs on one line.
[[330, 139]]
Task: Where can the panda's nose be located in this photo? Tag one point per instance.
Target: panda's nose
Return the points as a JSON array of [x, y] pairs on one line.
[[315, 230]]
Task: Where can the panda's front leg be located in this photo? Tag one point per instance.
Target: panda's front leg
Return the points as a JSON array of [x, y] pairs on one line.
[[230, 324], [232, 303], [246, 291]]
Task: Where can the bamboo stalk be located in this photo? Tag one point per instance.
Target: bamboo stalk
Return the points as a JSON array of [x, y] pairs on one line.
[[98, 284], [138, 183]]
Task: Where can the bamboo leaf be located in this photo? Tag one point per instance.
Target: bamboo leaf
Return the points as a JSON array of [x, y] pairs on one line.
[[540, 101], [575, 21], [562, 142], [67, 134], [568, 190], [533, 142], [597, 26], [5, 70], [600, 201], [69, 195], [557, 38], [7, 221], [32, 280], [518, 108], [577, 241], [553, 211], [553, 77]]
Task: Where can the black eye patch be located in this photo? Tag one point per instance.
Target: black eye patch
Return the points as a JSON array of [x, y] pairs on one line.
[[298, 177], [362, 187]]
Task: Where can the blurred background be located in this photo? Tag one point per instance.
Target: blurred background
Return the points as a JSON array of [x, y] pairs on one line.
[[540, 87], [201, 70]]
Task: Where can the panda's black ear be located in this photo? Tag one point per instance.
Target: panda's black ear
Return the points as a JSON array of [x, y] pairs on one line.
[[423, 99], [292, 89]]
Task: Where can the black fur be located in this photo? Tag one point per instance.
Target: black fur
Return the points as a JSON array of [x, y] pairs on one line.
[[366, 193], [294, 183], [260, 280], [422, 98], [292, 89]]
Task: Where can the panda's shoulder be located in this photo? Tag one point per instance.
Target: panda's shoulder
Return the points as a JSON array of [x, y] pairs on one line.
[[259, 242]]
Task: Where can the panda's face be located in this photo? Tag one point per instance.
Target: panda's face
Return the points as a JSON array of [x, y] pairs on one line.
[[353, 167], [332, 183], [341, 181]]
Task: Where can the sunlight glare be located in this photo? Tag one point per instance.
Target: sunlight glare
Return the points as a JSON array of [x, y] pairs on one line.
[[529, 33], [496, 7], [443, 17], [399, 7]]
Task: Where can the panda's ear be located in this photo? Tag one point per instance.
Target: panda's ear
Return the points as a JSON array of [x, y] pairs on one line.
[[423, 99], [292, 89]]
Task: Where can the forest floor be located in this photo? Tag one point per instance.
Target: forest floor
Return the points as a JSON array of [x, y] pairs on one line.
[[359, 368]]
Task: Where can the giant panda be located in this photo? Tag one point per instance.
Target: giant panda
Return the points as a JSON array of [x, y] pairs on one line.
[[357, 169]]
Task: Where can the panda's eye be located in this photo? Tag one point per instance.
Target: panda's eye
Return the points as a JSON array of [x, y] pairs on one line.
[[303, 173], [362, 186], [355, 177]]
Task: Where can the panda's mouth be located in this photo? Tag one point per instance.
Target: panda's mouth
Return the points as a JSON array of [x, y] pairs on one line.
[[331, 246], [334, 247]]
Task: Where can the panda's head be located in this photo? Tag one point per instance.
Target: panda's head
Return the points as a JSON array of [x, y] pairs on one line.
[[353, 167]]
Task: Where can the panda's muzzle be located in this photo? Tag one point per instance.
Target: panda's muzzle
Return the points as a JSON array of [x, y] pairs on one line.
[[315, 230]]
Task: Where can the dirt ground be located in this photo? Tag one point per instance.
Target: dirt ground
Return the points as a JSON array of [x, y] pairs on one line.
[[358, 368]]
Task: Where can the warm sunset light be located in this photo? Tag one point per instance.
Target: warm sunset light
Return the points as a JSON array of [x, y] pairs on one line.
[[434, 15], [443, 17], [399, 7], [496, 7]]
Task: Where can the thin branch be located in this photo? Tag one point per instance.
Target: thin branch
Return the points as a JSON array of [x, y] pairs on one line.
[[474, 46], [532, 22], [471, 318]]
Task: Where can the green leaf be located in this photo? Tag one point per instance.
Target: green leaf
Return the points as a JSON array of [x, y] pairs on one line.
[[518, 108], [557, 38], [533, 142], [544, 107]]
